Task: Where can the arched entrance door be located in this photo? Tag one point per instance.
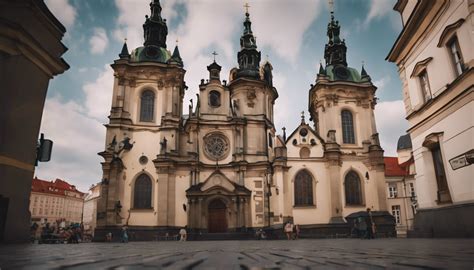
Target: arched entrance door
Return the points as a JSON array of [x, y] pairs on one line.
[[217, 220]]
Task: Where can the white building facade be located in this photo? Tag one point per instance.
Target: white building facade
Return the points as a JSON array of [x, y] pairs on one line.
[[220, 167], [435, 59]]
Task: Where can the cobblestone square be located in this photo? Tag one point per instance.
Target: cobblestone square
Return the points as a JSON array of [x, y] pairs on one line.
[[299, 254]]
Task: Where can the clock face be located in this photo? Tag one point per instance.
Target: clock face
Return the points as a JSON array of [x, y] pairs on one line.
[[216, 146], [341, 72]]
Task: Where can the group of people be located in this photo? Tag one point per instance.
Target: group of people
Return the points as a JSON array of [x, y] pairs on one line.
[[58, 232], [364, 227], [292, 231]]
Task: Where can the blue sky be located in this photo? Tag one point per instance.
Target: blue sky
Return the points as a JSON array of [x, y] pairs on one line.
[[291, 32]]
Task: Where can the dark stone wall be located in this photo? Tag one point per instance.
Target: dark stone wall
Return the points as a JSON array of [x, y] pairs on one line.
[[449, 221]]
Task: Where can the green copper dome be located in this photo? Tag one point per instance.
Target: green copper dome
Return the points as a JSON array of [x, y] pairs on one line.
[[150, 53]]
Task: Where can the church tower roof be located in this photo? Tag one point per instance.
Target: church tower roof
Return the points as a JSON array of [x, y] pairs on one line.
[[124, 53], [335, 50], [248, 56], [155, 29]]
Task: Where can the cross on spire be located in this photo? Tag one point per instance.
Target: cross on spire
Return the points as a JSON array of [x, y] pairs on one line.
[[331, 6], [246, 6], [177, 40], [214, 53]]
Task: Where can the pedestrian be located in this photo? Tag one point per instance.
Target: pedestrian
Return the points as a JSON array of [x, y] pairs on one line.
[[108, 237], [289, 230], [370, 225], [183, 234], [124, 235], [296, 231]]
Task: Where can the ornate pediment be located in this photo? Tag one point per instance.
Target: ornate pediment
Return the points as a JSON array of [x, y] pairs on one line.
[[217, 179]]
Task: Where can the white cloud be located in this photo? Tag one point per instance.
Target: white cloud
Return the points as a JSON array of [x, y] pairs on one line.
[[380, 9], [77, 140], [99, 41], [99, 94], [391, 124], [63, 10], [382, 82], [78, 133]]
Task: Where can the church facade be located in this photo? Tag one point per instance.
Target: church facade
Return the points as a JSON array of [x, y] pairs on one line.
[[218, 165]]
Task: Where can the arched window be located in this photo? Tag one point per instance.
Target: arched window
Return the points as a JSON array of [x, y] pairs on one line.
[[214, 99], [142, 192], [347, 127], [147, 106], [303, 189], [353, 189]]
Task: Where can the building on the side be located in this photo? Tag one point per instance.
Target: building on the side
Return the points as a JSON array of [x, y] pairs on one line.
[[89, 212], [30, 55], [435, 60], [401, 193], [55, 201], [218, 166]]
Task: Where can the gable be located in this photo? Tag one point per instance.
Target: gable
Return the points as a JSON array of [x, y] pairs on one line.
[[217, 179], [304, 142]]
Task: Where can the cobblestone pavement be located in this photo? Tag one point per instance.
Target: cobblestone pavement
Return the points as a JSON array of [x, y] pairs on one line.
[[299, 254]]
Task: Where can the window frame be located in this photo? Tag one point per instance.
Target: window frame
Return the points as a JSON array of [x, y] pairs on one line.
[[141, 112], [454, 42], [397, 214], [425, 87], [346, 193], [392, 191], [306, 197], [135, 193], [218, 99], [350, 129]]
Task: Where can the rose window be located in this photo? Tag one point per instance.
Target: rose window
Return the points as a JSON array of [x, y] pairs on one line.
[[216, 146]]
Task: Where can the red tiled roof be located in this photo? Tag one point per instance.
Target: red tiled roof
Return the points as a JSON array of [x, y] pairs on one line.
[[57, 187], [392, 168]]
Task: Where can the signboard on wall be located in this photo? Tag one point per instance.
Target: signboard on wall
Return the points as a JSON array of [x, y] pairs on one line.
[[462, 160]]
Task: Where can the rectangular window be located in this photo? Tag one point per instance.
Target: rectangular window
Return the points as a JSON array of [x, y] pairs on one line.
[[443, 190], [396, 213], [425, 86], [456, 56], [412, 190], [392, 191]]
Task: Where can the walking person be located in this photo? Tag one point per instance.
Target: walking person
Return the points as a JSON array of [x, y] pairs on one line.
[[296, 231], [370, 225], [183, 234], [289, 230], [124, 235]]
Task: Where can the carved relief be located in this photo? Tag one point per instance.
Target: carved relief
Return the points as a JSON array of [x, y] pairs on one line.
[[251, 96]]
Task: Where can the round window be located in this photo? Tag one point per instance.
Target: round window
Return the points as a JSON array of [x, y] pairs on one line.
[[143, 160], [216, 146], [303, 132]]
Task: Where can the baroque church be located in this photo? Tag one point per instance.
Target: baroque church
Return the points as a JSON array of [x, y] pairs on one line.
[[218, 165]]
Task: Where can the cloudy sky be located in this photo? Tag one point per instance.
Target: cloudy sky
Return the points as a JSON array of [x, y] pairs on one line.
[[291, 33]]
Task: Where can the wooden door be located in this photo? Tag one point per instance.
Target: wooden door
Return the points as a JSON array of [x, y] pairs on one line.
[[217, 222]]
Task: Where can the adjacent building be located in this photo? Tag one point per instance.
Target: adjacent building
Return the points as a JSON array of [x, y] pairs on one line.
[[218, 165], [53, 201], [435, 57], [30, 55], [401, 193], [89, 212]]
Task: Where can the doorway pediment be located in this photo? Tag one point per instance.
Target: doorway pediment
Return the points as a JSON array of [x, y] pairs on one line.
[[218, 180]]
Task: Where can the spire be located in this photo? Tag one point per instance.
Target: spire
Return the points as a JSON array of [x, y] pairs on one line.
[[248, 57], [364, 75], [155, 29], [322, 71], [124, 53], [335, 49], [176, 57]]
